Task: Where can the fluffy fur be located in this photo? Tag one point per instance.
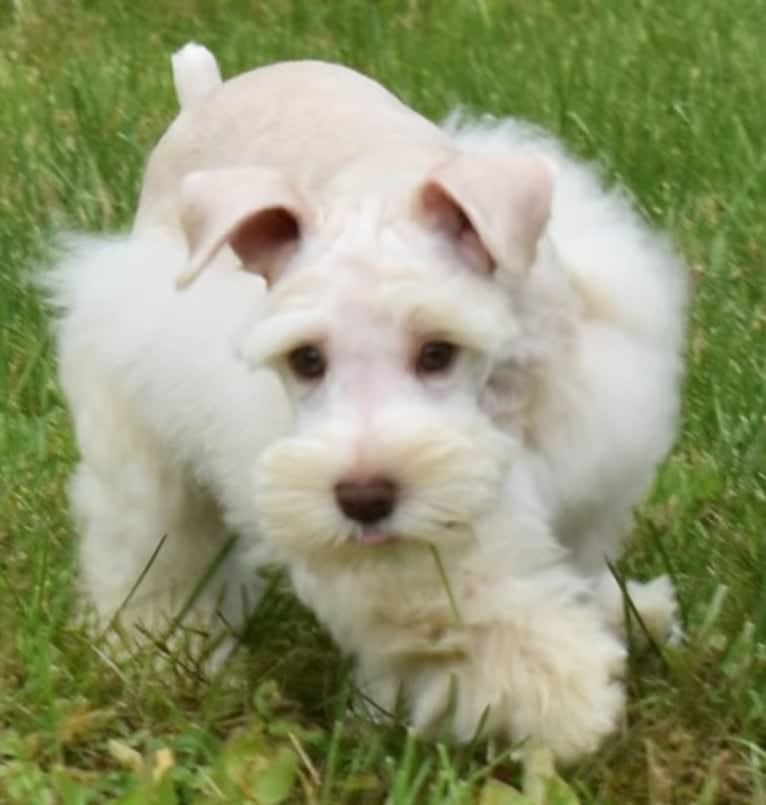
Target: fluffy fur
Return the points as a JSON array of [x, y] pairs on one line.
[[483, 599]]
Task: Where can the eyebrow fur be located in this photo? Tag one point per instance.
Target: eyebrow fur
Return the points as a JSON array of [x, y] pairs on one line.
[[277, 334]]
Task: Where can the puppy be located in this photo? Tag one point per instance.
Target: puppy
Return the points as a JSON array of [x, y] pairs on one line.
[[429, 370]]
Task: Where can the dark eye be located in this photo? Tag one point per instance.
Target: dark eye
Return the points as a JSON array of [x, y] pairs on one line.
[[435, 357], [307, 362]]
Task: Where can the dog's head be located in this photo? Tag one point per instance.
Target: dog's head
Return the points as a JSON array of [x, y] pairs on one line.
[[386, 325]]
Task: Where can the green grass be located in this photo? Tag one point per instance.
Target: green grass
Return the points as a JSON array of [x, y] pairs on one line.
[[670, 97]]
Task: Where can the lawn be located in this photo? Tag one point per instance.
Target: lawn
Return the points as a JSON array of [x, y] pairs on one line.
[[669, 97]]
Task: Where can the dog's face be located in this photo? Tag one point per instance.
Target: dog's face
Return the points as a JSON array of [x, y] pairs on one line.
[[385, 331], [385, 365]]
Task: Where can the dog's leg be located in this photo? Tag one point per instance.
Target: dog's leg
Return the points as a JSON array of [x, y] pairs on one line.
[[655, 602], [546, 672], [535, 660], [151, 538]]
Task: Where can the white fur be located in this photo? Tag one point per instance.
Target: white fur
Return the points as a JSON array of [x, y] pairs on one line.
[[519, 468], [195, 73]]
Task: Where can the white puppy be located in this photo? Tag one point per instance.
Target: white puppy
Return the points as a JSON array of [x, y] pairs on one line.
[[430, 370]]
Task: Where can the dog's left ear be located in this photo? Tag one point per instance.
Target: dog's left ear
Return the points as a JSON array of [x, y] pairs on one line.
[[254, 210], [493, 207]]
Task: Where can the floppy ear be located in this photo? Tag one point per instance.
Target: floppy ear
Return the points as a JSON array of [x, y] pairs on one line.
[[254, 210], [493, 207]]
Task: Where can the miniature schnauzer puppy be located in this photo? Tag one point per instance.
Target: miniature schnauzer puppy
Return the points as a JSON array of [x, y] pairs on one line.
[[429, 370]]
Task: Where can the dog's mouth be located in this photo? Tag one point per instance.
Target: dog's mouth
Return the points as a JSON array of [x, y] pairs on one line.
[[374, 535]]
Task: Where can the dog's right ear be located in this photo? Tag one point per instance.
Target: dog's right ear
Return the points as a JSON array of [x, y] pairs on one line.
[[253, 210]]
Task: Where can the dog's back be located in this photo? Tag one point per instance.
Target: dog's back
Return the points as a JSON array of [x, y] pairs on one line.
[[319, 123]]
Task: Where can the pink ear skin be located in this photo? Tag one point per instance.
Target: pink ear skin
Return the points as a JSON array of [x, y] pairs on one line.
[[262, 241], [254, 210], [443, 213], [493, 207]]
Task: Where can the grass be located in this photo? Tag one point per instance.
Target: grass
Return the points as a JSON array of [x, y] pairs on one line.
[[669, 98]]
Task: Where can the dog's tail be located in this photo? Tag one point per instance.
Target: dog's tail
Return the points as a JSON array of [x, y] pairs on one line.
[[195, 73]]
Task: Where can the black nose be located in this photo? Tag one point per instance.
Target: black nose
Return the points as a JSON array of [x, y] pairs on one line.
[[366, 501]]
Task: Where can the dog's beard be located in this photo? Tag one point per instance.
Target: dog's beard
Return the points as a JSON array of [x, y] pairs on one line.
[[447, 477]]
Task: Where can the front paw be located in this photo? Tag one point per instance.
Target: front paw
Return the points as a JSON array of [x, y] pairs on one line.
[[554, 676], [560, 681]]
